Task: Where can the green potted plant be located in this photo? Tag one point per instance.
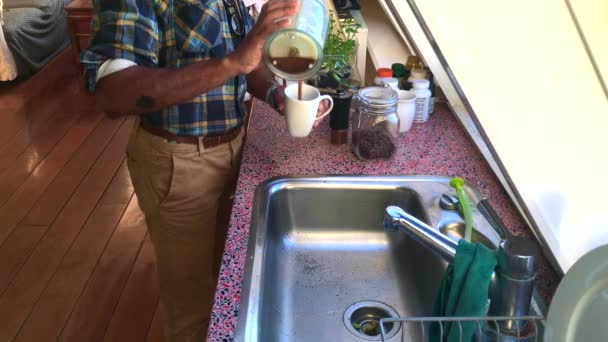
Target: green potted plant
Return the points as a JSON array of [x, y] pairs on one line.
[[340, 48]]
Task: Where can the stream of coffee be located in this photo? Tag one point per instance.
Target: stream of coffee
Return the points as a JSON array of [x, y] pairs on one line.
[[300, 90]]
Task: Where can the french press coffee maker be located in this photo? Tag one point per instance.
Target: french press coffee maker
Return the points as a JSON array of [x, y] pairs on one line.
[[296, 53]]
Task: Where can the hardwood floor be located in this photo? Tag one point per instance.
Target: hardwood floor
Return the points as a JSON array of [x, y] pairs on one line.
[[76, 263]]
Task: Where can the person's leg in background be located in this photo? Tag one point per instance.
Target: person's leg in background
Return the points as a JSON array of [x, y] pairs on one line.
[[179, 189]]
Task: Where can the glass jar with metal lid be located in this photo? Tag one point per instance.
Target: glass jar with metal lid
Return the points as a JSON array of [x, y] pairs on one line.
[[375, 124], [296, 53]]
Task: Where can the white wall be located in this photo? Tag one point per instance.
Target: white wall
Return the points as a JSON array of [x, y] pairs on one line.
[[526, 73]]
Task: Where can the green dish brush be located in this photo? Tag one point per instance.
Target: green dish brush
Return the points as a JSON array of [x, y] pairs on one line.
[[465, 206]]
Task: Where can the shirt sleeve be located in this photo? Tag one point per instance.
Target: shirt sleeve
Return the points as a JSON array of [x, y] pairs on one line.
[[121, 29], [111, 66]]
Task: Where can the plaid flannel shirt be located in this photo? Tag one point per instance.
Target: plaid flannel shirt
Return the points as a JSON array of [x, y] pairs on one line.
[[171, 34]]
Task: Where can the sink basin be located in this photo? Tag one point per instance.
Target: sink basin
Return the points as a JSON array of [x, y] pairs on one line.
[[320, 260]]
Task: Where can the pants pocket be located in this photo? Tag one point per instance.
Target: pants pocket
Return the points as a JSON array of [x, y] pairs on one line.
[[151, 174], [169, 180], [186, 183]]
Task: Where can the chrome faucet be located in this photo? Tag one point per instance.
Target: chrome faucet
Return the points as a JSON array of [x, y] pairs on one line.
[[396, 218], [513, 279]]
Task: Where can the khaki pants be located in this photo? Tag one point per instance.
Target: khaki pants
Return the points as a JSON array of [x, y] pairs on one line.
[[184, 194]]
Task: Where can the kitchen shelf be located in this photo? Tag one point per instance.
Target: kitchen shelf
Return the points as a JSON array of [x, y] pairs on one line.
[[385, 45]]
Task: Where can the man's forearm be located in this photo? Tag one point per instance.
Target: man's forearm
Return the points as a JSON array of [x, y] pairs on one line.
[[259, 81], [140, 89]]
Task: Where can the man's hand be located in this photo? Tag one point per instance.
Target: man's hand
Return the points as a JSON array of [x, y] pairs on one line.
[[274, 15], [279, 100], [323, 106]]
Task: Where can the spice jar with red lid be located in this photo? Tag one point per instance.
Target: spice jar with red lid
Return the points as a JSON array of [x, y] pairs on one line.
[[384, 77]]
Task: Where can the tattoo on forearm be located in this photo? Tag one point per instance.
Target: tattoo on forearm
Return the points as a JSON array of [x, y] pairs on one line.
[[145, 102]]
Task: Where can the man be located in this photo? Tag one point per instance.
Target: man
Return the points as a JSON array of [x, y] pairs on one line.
[[184, 67]]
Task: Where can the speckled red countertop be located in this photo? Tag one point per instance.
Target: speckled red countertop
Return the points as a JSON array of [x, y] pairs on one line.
[[437, 147]]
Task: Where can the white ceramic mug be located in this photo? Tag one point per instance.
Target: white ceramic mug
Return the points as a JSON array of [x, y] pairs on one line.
[[406, 109], [302, 114]]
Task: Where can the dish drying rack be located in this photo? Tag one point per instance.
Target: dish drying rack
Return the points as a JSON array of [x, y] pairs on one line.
[[482, 323]]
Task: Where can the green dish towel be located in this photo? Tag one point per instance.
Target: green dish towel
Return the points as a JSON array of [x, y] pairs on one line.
[[463, 291]]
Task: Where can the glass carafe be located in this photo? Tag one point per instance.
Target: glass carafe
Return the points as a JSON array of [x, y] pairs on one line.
[[296, 53], [375, 124]]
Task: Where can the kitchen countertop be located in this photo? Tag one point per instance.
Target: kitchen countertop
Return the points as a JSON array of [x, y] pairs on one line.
[[437, 147]]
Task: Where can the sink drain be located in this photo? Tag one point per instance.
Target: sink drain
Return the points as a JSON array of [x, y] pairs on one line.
[[362, 319]]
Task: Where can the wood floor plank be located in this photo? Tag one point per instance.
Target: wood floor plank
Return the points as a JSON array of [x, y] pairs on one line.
[[19, 92], [155, 334], [17, 249], [121, 189], [25, 196], [63, 186], [12, 122], [26, 123], [61, 294], [27, 285], [31, 125], [95, 307], [20, 99], [22, 167], [39, 128], [135, 310]]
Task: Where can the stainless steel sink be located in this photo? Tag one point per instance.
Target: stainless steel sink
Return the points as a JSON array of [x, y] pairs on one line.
[[319, 256]]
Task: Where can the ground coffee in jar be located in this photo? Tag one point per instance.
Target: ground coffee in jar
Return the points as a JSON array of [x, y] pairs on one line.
[[374, 143]]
